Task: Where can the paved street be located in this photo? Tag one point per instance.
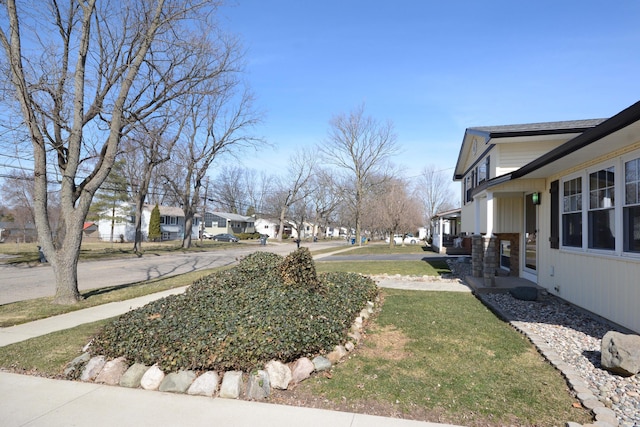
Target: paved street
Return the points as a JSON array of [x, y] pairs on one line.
[[23, 282]]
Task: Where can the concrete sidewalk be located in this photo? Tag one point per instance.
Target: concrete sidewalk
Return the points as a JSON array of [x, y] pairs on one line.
[[33, 401], [37, 328]]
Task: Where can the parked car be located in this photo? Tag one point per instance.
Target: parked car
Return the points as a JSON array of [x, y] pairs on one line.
[[409, 239], [224, 237], [206, 235]]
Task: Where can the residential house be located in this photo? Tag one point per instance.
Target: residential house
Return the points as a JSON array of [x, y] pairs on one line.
[[18, 232], [223, 222], [446, 237], [90, 232], [271, 228], [121, 221], [559, 205]]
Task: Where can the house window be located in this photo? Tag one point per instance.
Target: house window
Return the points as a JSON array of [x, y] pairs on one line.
[[572, 213], [631, 209], [601, 209], [483, 171], [468, 186]]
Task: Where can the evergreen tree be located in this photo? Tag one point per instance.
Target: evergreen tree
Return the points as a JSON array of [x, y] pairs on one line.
[[108, 201], [154, 224]]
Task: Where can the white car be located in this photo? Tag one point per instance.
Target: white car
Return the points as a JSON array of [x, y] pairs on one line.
[[409, 239]]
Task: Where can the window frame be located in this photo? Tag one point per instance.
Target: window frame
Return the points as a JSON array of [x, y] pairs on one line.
[[622, 217], [593, 212], [583, 232]]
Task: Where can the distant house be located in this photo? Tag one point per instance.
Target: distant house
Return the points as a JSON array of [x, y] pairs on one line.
[[17, 232], [559, 204], [90, 232], [171, 224], [446, 236], [223, 222]]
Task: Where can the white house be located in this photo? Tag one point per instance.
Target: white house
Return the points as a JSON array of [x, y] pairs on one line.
[[559, 204], [171, 223]]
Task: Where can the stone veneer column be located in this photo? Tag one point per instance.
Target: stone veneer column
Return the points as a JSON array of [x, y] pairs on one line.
[[477, 255], [490, 260]]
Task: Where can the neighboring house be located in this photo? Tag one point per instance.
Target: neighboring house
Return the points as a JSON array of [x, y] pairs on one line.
[[171, 223], [559, 204], [223, 222], [15, 232], [90, 232], [446, 235]]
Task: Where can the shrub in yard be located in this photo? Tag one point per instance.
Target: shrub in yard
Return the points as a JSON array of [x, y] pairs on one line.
[[298, 269], [239, 319]]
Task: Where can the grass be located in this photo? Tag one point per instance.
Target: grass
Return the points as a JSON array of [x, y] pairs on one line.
[[444, 357], [432, 356], [383, 248], [40, 308], [407, 268]]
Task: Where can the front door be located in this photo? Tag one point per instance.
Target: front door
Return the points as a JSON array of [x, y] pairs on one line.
[[530, 234]]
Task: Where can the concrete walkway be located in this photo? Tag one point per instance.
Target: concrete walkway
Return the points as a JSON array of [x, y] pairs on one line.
[[33, 401]]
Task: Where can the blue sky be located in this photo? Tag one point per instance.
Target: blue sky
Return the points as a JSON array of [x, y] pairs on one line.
[[433, 68]]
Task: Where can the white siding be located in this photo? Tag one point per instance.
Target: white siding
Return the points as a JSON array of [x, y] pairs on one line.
[[509, 215], [514, 156]]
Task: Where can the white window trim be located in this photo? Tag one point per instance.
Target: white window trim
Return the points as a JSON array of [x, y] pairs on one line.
[[585, 236], [621, 197]]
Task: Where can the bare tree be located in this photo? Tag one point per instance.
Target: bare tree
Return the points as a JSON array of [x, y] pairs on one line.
[[433, 190], [145, 148], [257, 187], [219, 122], [293, 187], [91, 70], [393, 210], [360, 146], [326, 199], [230, 191]]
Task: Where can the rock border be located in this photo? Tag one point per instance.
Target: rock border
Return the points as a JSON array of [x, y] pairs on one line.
[[256, 385]]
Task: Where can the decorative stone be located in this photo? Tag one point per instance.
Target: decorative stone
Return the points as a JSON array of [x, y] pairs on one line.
[[321, 363], [279, 374], [355, 335], [112, 371], [364, 313], [620, 353], [337, 354], [524, 293], [231, 385], [134, 374], [301, 370], [205, 385], [258, 386], [76, 363], [152, 379], [349, 346], [177, 382], [93, 368]]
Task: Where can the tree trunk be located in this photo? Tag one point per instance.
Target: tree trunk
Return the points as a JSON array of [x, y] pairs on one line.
[[283, 212], [65, 264]]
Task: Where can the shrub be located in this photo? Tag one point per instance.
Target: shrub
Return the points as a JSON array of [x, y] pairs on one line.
[[239, 319], [298, 269]]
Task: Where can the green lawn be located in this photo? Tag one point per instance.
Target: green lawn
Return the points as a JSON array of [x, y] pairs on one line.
[[406, 268]]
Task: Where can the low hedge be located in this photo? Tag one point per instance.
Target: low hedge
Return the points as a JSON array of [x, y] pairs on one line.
[[241, 318]]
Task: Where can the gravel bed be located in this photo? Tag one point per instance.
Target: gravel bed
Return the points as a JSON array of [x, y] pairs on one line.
[[574, 337]]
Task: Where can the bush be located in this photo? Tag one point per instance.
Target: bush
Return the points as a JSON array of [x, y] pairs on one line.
[[298, 269], [248, 236], [240, 319]]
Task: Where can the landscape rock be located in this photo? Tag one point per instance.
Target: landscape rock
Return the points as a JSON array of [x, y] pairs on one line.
[[205, 385], [337, 354], [349, 346], [258, 386], [364, 313], [231, 385], [152, 379], [177, 382], [620, 353], [279, 374], [76, 364], [93, 368], [321, 363], [301, 370], [112, 371], [134, 374], [355, 336]]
